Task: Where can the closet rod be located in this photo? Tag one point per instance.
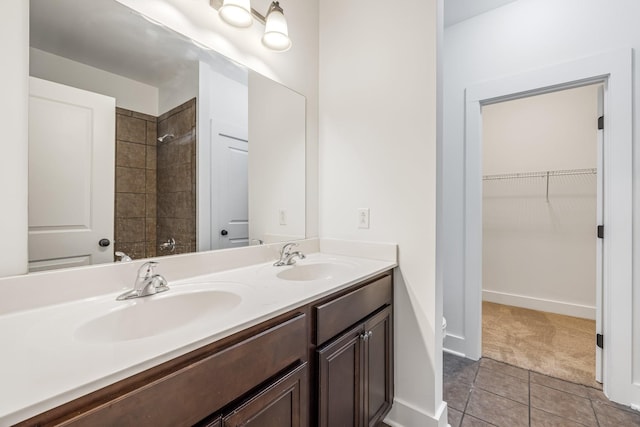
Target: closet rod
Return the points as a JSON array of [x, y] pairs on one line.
[[544, 174]]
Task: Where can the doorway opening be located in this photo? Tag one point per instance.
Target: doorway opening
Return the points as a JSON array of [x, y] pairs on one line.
[[541, 260]]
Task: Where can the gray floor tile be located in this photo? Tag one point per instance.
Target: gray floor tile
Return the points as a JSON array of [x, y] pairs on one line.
[[544, 419], [514, 371], [460, 368], [563, 404], [469, 421], [558, 384], [497, 410], [455, 417], [503, 385], [456, 394], [608, 416]]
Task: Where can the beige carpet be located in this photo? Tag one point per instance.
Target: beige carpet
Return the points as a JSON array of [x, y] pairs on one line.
[[552, 344]]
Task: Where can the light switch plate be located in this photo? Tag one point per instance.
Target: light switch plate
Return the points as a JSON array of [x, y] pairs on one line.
[[363, 217]]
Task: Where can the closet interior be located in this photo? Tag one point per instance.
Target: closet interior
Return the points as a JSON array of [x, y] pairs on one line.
[[540, 258]]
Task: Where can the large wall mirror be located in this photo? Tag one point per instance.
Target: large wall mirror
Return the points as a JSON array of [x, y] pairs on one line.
[[143, 143]]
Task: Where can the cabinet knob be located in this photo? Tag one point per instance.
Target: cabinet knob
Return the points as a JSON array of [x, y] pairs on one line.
[[104, 243], [366, 335]]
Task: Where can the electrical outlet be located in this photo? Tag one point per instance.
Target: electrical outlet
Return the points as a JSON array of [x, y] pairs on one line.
[[363, 217], [282, 216]]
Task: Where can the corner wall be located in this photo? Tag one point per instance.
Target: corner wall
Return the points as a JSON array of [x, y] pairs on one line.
[[378, 124], [14, 86]]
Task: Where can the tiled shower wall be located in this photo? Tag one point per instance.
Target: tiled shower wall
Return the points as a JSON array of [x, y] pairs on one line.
[[177, 178], [155, 182], [135, 198]]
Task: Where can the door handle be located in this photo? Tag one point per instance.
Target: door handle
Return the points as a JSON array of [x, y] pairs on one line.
[[224, 232], [104, 243]]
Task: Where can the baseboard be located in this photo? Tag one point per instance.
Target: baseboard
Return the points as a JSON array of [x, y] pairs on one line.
[[454, 344], [550, 306], [403, 414]]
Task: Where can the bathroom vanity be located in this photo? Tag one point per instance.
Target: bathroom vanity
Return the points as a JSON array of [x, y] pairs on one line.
[[324, 357]]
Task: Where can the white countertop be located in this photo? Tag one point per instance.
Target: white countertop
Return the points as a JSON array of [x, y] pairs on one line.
[[48, 358]]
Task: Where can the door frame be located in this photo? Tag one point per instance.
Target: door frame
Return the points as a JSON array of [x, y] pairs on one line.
[[614, 69]]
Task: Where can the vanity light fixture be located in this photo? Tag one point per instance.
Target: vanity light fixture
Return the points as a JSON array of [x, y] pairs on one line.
[[240, 14]]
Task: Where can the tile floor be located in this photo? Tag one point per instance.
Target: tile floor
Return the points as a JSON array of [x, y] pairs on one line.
[[491, 393]]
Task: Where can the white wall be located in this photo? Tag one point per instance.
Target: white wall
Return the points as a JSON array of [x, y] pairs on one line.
[[520, 37], [540, 253], [276, 161], [378, 123], [180, 89], [129, 94], [14, 86]]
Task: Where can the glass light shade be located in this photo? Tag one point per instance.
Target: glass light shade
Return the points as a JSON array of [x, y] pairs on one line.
[[236, 13], [276, 33]]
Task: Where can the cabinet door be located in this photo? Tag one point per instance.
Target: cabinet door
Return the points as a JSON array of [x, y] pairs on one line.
[[378, 367], [281, 404], [340, 381]]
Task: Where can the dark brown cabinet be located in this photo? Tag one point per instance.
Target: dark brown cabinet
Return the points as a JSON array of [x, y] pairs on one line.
[[282, 404], [355, 369]]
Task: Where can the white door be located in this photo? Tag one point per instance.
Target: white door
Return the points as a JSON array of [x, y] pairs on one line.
[[230, 198], [71, 176], [599, 243]]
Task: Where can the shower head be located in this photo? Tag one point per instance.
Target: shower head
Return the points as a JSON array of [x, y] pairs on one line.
[[161, 139]]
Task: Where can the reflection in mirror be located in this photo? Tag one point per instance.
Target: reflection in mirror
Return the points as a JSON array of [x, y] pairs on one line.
[[143, 142]]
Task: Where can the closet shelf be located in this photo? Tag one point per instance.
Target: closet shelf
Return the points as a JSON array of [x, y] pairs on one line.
[[543, 174]]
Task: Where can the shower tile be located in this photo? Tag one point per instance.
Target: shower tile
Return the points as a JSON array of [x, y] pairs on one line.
[[131, 129], [130, 180], [151, 205], [129, 154], [129, 205], [134, 250], [151, 157], [145, 117], [151, 181], [175, 178], [152, 133], [123, 112], [175, 205], [130, 230]]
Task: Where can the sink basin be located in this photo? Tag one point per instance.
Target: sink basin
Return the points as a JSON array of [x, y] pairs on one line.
[[316, 271], [149, 316]]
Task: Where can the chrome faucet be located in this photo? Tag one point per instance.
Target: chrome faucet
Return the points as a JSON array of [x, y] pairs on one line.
[[287, 257], [147, 283], [123, 257]]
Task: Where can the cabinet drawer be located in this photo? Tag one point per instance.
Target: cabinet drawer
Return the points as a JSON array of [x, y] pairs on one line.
[[337, 315], [191, 393]]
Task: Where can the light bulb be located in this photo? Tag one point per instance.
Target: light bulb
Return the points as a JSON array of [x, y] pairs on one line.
[[276, 33], [236, 13]]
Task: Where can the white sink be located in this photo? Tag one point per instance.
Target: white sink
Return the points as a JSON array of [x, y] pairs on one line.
[[315, 271], [157, 314]]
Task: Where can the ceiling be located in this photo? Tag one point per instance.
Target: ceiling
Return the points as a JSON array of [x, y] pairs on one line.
[[458, 10]]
